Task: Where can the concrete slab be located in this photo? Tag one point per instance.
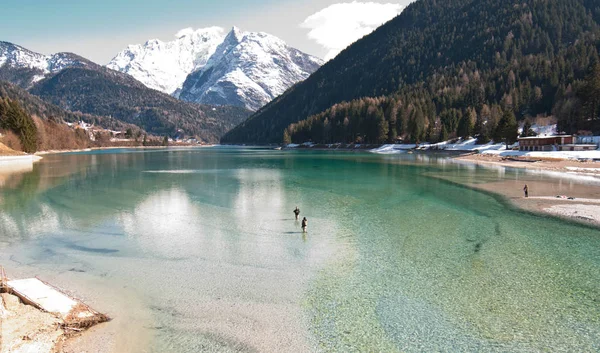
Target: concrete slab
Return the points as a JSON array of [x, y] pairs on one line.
[[73, 313], [39, 294]]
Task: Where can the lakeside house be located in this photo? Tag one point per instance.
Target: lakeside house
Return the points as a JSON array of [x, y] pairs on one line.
[[554, 143]]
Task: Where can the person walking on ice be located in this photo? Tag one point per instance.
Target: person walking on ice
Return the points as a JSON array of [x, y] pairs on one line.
[[304, 224], [526, 190], [297, 212]]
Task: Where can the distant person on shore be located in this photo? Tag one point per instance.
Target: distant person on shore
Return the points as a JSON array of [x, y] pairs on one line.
[[297, 212], [304, 224], [526, 190]]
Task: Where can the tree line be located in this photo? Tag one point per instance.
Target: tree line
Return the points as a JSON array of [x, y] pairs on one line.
[[13, 118], [470, 103], [390, 119], [443, 62], [23, 131]]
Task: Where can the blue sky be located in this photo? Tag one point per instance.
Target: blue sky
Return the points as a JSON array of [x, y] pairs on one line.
[[99, 29]]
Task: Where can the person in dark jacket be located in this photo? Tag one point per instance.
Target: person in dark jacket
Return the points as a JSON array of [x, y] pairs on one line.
[[304, 224], [297, 212], [526, 190]]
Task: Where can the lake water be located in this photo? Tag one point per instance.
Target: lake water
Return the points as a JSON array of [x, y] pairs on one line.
[[198, 250]]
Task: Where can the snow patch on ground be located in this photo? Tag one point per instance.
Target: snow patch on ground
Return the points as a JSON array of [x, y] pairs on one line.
[[461, 145], [544, 130], [393, 149], [498, 149], [467, 145], [550, 154], [578, 169]]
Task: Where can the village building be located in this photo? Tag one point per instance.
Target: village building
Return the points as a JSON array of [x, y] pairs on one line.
[[554, 143]]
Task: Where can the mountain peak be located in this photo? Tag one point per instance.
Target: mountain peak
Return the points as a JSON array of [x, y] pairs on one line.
[[248, 69], [165, 65], [152, 43], [236, 34], [35, 66]]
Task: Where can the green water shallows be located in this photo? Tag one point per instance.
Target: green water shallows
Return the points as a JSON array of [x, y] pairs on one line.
[[395, 259]]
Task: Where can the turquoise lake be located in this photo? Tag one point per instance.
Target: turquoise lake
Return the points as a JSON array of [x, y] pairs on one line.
[[194, 250]]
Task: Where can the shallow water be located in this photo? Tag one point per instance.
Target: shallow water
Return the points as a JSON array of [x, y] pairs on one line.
[[204, 244]]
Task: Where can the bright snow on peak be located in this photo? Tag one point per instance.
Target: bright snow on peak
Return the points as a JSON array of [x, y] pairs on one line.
[[248, 69], [164, 66], [18, 57]]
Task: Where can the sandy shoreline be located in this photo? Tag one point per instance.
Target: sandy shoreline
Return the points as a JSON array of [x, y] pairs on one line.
[[12, 155], [553, 165], [18, 159], [41, 153], [26, 329], [573, 201]]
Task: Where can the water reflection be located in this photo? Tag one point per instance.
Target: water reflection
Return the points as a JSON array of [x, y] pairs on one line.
[[166, 223], [260, 195], [11, 175]]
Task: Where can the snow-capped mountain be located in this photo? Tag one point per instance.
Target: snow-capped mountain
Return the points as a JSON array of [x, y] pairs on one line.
[[248, 69], [31, 66], [164, 66], [244, 69]]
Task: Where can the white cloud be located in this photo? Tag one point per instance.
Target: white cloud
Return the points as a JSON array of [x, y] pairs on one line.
[[184, 32], [339, 25]]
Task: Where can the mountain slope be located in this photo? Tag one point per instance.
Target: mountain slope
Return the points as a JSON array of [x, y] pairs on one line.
[[24, 67], [433, 48], [164, 66], [48, 111], [248, 70], [105, 92]]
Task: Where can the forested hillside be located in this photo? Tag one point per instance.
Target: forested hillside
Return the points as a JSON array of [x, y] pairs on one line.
[[106, 92], [444, 68], [29, 124], [48, 111]]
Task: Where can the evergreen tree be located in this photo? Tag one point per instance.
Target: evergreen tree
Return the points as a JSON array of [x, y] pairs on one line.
[[382, 128], [590, 93], [429, 137], [465, 127], [527, 131], [3, 109], [507, 129], [568, 112], [165, 141], [21, 123], [286, 137], [443, 134]]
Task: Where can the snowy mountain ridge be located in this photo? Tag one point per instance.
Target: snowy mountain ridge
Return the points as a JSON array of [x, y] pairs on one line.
[[207, 66], [248, 69], [17, 57], [210, 66], [164, 66]]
